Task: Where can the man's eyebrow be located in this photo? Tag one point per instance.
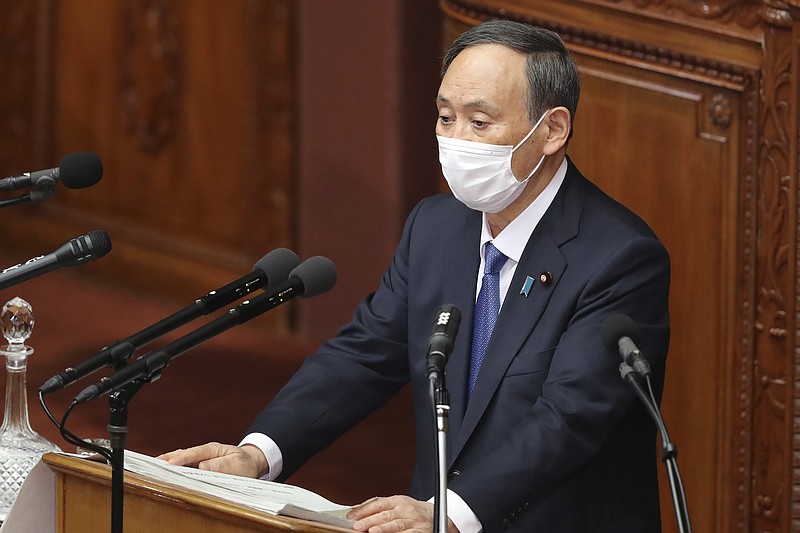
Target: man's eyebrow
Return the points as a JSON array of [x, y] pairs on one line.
[[479, 104]]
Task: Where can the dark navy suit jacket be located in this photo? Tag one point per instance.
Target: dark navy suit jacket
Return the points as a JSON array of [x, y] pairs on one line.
[[552, 439]]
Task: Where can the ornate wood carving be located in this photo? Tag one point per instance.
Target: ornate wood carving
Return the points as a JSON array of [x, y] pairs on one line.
[[590, 41], [151, 73], [793, 7], [719, 109], [744, 13], [776, 279], [739, 17], [743, 438]]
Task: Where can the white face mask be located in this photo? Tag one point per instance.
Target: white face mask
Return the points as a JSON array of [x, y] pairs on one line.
[[480, 174]]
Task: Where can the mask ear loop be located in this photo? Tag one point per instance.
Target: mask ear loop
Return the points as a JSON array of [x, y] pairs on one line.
[[528, 136], [525, 139], [534, 169]]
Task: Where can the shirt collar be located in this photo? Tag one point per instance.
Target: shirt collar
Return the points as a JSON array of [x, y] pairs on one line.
[[514, 237]]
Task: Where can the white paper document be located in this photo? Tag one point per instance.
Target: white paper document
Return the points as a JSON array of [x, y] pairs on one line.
[[265, 496]]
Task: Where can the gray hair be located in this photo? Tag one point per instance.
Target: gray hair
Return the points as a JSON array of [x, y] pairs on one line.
[[552, 75]]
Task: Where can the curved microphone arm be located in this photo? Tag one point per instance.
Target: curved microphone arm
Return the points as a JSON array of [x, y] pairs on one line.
[[669, 452]]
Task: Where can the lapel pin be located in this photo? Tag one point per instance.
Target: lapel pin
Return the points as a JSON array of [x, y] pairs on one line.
[[526, 287], [546, 278]]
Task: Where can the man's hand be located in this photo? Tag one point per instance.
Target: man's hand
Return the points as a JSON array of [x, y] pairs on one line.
[[245, 460], [395, 514]]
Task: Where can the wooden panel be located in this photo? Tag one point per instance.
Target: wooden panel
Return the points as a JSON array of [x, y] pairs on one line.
[[678, 170], [190, 106], [226, 130], [83, 503], [689, 115], [366, 152]]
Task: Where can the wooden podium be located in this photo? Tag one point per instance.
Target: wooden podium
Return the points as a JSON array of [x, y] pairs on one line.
[[83, 505]]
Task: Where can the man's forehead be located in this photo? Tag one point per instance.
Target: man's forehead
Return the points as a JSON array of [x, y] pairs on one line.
[[488, 63], [482, 76], [500, 55], [474, 103]]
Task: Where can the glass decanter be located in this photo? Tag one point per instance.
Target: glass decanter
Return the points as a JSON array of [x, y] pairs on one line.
[[20, 446]]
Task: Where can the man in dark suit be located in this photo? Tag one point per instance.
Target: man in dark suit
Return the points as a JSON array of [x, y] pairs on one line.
[[544, 434]]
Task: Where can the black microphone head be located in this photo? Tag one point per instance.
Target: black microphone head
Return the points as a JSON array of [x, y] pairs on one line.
[[443, 336], [83, 248], [616, 326], [317, 274], [448, 319], [80, 169], [101, 243], [277, 265]]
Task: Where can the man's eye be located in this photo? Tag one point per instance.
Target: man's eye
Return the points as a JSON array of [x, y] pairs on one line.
[[479, 123], [444, 119]]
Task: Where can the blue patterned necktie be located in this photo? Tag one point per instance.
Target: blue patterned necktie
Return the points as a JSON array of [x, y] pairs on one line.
[[486, 310]]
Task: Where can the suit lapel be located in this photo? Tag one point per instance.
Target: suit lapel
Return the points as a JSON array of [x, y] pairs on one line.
[[519, 314], [516, 321]]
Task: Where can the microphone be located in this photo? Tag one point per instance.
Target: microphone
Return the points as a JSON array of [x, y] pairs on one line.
[[267, 273], [313, 276], [76, 171], [440, 344], [618, 332], [445, 329], [73, 252]]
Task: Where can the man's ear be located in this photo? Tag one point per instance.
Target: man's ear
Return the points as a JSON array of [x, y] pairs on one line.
[[558, 123]]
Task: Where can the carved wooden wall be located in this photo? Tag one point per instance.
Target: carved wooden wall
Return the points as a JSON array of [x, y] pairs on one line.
[[227, 129], [190, 106], [689, 115]]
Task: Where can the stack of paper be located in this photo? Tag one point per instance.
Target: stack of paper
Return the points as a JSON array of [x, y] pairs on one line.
[[265, 496]]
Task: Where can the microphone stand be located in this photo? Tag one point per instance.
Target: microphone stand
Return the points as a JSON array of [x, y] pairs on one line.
[[149, 367], [118, 431], [669, 452], [440, 400]]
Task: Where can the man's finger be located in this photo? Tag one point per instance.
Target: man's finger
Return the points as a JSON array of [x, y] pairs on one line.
[[192, 456], [368, 508]]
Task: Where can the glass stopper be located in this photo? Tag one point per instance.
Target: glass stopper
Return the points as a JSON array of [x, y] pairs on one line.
[[17, 323]]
